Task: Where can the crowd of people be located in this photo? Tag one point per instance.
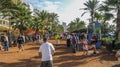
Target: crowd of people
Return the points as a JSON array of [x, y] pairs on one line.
[[19, 41], [75, 41]]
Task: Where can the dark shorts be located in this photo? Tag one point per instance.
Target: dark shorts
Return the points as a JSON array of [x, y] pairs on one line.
[[20, 46], [93, 42], [46, 64]]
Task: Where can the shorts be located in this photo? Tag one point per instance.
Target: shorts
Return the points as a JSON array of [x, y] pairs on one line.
[[46, 64]]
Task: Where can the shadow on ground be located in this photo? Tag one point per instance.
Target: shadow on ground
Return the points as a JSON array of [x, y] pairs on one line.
[[22, 63], [118, 65]]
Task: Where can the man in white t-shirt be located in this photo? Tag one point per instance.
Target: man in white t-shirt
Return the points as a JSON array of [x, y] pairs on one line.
[[46, 50]]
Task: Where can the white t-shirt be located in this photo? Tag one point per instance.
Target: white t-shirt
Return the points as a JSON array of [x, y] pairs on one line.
[[46, 50], [69, 36]]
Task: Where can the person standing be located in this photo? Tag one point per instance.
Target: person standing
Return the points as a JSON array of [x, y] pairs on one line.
[[6, 44], [74, 43], [20, 41], [57, 39], [38, 39], [68, 40], [46, 50], [94, 41], [85, 46]]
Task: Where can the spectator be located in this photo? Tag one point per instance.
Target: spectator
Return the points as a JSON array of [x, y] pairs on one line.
[[85, 46], [68, 40], [74, 43], [38, 39], [6, 44], [94, 41], [57, 39], [20, 41]]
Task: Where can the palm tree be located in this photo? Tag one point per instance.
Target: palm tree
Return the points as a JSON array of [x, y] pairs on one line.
[[79, 24], [105, 13], [59, 29], [52, 19], [43, 16], [76, 24], [6, 7], [115, 5], [22, 17], [16, 1], [48, 20], [91, 7], [71, 26], [6, 4]]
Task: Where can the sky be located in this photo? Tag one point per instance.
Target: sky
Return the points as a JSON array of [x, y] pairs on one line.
[[67, 10]]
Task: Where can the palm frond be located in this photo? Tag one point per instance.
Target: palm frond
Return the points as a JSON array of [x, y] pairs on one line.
[[83, 14]]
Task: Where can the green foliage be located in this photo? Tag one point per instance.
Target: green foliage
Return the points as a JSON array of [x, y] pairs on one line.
[[21, 18], [114, 5], [107, 40], [76, 24], [47, 21], [91, 7], [117, 45]]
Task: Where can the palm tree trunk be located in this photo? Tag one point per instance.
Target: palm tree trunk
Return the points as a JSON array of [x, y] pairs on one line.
[[118, 23]]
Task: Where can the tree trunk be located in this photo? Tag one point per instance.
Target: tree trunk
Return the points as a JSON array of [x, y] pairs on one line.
[[118, 23]]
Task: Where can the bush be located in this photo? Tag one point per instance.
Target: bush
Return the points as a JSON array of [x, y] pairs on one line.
[[117, 45], [108, 42]]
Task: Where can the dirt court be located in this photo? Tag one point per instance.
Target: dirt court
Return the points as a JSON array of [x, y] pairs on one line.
[[62, 58]]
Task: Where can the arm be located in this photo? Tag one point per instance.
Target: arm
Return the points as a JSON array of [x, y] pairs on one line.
[[53, 51], [39, 53]]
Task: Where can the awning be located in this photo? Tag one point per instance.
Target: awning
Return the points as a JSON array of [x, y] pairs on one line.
[[29, 32], [3, 28]]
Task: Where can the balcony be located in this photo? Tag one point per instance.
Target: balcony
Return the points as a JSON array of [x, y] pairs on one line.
[[4, 25]]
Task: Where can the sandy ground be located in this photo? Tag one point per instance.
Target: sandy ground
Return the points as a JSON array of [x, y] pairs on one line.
[[62, 58]]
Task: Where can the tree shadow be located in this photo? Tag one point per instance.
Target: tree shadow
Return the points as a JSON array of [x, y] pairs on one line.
[[22, 63], [107, 56], [61, 46], [118, 65], [36, 57], [8, 52], [72, 57], [71, 64], [73, 60], [33, 48]]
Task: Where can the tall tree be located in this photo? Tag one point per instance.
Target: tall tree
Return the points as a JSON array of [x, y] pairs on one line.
[[76, 24], [43, 17], [115, 5], [91, 7], [52, 19], [22, 16]]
